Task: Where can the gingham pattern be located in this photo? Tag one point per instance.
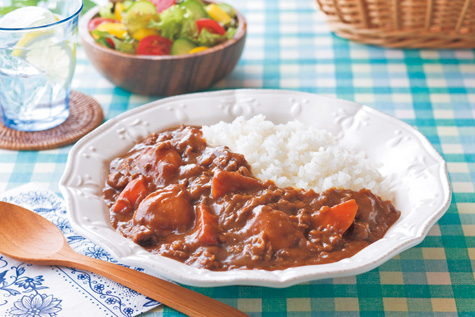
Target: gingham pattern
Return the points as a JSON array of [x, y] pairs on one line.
[[289, 47]]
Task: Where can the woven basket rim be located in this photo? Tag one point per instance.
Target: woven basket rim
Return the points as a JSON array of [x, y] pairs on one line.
[[427, 31]]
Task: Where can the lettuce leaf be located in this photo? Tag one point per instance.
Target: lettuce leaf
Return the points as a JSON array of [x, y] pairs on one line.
[[206, 38], [127, 45], [171, 22], [178, 22]]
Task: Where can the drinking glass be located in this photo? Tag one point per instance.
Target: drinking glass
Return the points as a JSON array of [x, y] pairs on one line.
[[37, 60]]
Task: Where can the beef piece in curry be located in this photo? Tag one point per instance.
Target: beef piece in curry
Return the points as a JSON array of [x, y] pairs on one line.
[[178, 197]]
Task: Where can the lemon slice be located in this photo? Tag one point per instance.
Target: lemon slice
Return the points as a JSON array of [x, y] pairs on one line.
[[30, 39], [56, 61]]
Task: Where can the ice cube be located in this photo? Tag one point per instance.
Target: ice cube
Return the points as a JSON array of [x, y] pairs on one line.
[[14, 66], [27, 17], [23, 85]]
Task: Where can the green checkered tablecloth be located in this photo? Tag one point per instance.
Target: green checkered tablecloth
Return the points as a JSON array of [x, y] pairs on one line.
[[289, 47]]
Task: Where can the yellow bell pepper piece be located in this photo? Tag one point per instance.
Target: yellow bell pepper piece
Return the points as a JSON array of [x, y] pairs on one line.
[[119, 8], [116, 29], [141, 33], [197, 49], [218, 14]]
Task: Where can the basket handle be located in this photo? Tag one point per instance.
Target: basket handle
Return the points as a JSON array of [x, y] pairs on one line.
[[397, 23], [462, 16], [363, 13], [430, 10]]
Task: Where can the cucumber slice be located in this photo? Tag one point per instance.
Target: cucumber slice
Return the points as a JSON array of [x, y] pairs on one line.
[[127, 4], [182, 46], [139, 15], [141, 7], [197, 9]]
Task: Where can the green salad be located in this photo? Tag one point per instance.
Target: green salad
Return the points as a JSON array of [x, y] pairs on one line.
[[163, 27]]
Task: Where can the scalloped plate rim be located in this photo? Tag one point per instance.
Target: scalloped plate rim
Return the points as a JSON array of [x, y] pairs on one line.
[[286, 277]]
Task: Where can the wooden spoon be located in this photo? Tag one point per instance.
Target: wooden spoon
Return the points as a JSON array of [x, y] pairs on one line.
[[28, 237]]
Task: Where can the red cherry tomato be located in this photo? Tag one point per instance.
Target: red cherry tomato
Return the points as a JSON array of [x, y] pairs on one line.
[[163, 4], [154, 45], [94, 23], [210, 25]]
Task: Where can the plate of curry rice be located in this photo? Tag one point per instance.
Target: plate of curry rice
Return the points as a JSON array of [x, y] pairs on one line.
[[254, 187]]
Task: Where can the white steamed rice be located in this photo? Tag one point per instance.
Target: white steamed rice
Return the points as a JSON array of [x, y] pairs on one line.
[[296, 155]]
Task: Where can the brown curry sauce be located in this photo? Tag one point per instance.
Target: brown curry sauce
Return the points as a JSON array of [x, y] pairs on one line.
[[180, 198]]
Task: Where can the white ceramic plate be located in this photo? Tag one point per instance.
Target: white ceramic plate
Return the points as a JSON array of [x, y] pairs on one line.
[[421, 187]]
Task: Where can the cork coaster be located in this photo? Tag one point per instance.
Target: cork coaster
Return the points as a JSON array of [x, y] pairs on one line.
[[85, 114]]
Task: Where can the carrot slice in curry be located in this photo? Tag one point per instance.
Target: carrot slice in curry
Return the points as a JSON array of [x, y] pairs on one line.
[[339, 216], [227, 182], [206, 231], [136, 189]]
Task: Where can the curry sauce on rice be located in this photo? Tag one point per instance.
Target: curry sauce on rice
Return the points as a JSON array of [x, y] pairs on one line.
[[248, 195]]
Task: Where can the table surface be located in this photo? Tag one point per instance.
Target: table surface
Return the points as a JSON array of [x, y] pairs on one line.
[[289, 47]]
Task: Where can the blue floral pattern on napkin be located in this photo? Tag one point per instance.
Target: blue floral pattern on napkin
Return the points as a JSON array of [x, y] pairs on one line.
[[44, 291]]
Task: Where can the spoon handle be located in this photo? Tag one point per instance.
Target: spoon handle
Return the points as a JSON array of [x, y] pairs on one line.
[[180, 298]]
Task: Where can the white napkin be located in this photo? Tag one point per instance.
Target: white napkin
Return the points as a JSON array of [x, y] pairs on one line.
[[34, 290]]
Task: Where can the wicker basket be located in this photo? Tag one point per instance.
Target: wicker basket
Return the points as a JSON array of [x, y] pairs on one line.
[[403, 23]]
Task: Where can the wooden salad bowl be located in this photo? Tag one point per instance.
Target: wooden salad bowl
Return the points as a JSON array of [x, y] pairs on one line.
[[164, 75]]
